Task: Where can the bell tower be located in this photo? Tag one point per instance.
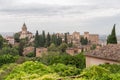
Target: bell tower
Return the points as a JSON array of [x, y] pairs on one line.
[[24, 28]]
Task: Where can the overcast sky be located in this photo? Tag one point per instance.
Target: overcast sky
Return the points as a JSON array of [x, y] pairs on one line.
[[95, 16]]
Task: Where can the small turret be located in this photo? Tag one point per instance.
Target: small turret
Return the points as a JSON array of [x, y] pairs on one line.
[[24, 28]]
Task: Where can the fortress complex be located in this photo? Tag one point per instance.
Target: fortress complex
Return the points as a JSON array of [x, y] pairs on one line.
[[92, 38], [75, 37]]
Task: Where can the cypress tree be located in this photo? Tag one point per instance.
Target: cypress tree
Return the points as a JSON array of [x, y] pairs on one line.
[[66, 38], [21, 47], [1, 41], [41, 42], [36, 41], [48, 40], [86, 41], [34, 51], [54, 39], [43, 37], [112, 39], [59, 40]]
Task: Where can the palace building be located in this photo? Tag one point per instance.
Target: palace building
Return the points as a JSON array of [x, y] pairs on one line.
[[24, 33]]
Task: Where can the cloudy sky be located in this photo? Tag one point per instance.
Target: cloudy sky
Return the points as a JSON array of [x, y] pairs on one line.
[[95, 16]]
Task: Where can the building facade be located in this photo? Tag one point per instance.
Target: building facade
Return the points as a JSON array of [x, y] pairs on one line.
[[40, 51], [75, 38], [24, 33], [92, 38], [10, 40], [73, 51]]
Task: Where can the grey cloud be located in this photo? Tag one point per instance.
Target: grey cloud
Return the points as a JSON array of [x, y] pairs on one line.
[[47, 10], [89, 10], [14, 7]]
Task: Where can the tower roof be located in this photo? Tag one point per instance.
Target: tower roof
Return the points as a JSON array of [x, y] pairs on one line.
[[24, 27]]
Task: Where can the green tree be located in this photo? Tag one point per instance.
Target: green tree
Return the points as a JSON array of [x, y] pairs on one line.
[[70, 44], [1, 41], [34, 51], [43, 37], [63, 47], [84, 41], [48, 39], [8, 50], [6, 59], [66, 38], [36, 41], [59, 41], [93, 47], [31, 54], [54, 39], [41, 41], [112, 39], [17, 37], [21, 47], [52, 47]]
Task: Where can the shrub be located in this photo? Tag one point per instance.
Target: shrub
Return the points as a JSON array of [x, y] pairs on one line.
[[5, 59]]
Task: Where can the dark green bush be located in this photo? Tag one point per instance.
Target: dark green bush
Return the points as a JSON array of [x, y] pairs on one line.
[[7, 58]]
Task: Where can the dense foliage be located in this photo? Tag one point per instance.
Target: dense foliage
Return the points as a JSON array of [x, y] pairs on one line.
[[102, 72], [17, 37], [57, 57], [9, 50], [5, 59], [1, 41], [37, 71], [65, 70], [45, 41], [84, 41], [6, 69]]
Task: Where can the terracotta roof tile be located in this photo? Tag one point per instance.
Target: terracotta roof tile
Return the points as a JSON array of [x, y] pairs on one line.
[[111, 52]]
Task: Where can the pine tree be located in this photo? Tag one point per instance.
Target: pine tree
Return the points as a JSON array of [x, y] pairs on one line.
[[112, 39]]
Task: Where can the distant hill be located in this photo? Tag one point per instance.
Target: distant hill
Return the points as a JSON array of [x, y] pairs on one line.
[[103, 38]]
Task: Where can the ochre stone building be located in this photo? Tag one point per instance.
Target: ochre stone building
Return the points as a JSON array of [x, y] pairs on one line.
[[73, 51], [24, 33], [40, 51], [10, 40], [92, 38], [75, 38]]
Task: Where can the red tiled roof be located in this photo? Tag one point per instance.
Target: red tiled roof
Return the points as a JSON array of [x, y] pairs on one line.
[[110, 52]]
